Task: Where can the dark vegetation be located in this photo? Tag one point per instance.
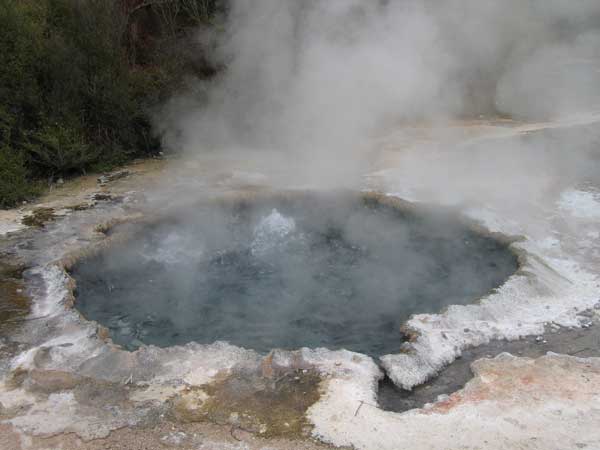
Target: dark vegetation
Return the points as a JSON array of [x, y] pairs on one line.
[[79, 79]]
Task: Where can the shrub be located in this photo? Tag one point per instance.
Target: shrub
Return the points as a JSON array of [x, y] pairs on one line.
[[71, 97], [60, 149], [14, 183]]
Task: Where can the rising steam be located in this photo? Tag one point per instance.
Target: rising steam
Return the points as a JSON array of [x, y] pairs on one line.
[[317, 79]]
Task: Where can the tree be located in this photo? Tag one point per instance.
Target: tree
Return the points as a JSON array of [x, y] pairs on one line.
[[200, 11]]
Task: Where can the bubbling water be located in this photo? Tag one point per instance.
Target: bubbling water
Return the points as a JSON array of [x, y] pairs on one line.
[[290, 272]]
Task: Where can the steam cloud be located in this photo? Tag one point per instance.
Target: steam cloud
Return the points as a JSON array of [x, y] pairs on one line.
[[317, 79], [315, 82]]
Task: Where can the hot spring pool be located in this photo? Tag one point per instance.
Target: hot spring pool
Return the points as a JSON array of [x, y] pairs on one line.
[[289, 271]]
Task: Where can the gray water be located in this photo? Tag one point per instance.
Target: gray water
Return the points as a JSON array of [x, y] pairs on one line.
[[313, 271]]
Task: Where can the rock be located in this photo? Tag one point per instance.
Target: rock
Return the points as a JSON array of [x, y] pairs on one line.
[[102, 332], [107, 178], [188, 406], [49, 381], [267, 366], [175, 438], [79, 207], [39, 217], [105, 197], [101, 196]]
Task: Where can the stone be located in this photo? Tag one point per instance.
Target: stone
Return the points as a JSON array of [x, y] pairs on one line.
[[175, 438], [39, 217], [107, 178], [49, 381]]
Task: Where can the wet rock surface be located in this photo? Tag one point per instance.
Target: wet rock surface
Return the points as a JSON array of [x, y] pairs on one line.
[[113, 176], [39, 217], [580, 342], [251, 403], [163, 435], [14, 305]]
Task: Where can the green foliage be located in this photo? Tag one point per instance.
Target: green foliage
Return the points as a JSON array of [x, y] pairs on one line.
[[59, 149], [89, 86], [72, 98], [21, 37], [68, 100], [14, 183]]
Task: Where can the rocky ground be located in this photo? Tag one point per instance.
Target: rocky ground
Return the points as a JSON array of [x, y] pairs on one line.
[[63, 385]]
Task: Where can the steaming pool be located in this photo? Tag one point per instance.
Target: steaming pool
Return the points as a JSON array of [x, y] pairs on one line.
[[286, 271]]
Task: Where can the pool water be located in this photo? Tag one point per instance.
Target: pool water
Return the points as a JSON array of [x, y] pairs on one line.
[[335, 271]]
